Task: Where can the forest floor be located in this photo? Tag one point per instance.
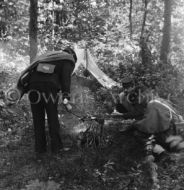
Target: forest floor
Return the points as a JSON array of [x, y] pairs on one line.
[[117, 166]]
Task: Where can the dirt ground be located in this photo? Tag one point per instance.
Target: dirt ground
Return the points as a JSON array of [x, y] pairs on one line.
[[117, 166]]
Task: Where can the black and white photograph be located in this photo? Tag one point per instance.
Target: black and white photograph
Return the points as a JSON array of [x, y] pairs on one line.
[[91, 94]]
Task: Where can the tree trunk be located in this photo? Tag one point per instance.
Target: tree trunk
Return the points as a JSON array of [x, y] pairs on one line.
[[145, 51], [33, 28], [165, 46], [130, 18], [144, 17]]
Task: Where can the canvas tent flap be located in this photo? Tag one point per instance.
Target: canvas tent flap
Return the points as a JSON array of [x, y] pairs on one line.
[[80, 58], [85, 57]]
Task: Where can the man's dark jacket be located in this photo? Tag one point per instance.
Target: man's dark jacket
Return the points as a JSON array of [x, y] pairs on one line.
[[56, 57]]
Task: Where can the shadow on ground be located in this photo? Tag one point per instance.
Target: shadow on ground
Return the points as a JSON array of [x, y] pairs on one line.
[[117, 166]]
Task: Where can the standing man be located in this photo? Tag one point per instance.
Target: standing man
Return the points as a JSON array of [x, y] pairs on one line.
[[42, 80]]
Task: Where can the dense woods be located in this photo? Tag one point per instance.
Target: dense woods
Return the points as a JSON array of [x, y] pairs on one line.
[[141, 38], [123, 33]]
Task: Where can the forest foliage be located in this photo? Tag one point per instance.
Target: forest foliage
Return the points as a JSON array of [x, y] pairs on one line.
[[141, 38], [125, 36]]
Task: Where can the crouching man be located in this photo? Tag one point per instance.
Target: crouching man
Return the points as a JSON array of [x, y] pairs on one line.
[[160, 120], [155, 119]]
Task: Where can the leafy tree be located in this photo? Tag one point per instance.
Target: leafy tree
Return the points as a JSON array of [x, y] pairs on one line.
[[122, 34]]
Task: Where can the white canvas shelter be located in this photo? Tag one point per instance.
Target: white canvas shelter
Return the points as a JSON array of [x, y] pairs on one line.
[[85, 58]]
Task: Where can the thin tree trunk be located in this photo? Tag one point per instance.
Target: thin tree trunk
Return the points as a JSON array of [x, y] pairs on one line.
[[33, 28], [144, 17], [53, 16], [165, 46], [130, 18], [145, 51]]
